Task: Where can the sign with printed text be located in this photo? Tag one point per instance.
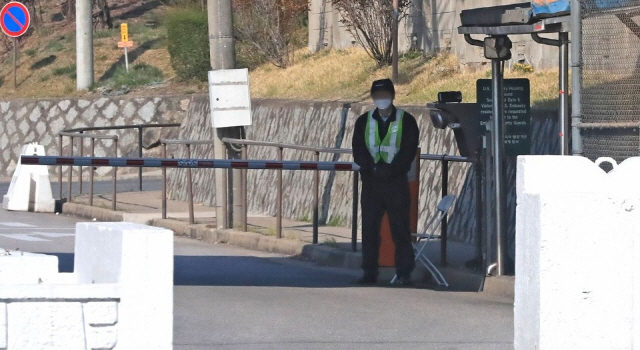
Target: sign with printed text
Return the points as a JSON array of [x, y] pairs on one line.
[[14, 19], [517, 113]]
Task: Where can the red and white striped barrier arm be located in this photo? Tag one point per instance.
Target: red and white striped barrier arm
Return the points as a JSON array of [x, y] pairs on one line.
[[188, 163]]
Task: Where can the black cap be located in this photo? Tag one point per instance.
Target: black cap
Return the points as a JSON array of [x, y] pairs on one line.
[[383, 85]]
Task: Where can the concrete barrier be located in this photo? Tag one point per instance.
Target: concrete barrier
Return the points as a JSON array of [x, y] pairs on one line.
[[120, 295], [30, 188], [577, 255]]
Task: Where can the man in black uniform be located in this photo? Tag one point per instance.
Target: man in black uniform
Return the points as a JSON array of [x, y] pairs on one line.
[[385, 142]]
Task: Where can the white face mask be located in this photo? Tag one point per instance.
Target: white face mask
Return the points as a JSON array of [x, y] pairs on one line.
[[383, 103]]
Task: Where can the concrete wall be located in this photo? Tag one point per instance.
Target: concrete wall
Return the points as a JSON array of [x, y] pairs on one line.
[[120, 295], [433, 24], [31, 120], [330, 124], [578, 255]]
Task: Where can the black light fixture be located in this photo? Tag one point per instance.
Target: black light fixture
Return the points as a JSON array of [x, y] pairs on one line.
[[449, 97], [497, 48]]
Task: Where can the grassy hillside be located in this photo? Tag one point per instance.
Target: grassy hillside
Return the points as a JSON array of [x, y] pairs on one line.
[[46, 66]]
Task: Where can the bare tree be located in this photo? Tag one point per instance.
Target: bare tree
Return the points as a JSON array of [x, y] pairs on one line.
[[370, 23], [268, 26]]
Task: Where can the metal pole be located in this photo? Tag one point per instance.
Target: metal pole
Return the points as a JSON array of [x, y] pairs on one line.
[[84, 44], [316, 199], [222, 53], [564, 92], [60, 139], [479, 219], [164, 183], [354, 212], [395, 41], [279, 200], [80, 171], [115, 174], [243, 154], [139, 155], [69, 178], [192, 219], [498, 146], [443, 226], [576, 77], [126, 59], [92, 171], [15, 63]]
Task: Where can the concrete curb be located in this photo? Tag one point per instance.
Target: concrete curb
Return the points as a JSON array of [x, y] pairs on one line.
[[459, 280]]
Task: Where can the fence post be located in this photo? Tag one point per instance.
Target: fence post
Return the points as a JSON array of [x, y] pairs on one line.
[[443, 227], [92, 171], [279, 200], [316, 189], [81, 154], [60, 139], [115, 173], [190, 188], [164, 183], [140, 155], [69, 184], [354, 214], [243, 154]]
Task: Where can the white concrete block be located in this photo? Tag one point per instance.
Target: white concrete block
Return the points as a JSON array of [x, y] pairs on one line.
[[26, 268], [45, 325], [30, 188], [577, 255], [3, 326], [101, 313], [140, 259]]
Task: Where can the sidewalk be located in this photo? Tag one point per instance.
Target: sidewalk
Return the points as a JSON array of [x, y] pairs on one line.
[[334, 248]]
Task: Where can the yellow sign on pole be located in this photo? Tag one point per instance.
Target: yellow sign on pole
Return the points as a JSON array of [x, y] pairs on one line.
[[124, 32]]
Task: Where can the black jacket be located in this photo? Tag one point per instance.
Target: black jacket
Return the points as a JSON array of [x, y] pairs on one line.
[[401, 163]]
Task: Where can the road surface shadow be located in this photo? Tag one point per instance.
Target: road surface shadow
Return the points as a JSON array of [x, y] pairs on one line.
[[254, 272]]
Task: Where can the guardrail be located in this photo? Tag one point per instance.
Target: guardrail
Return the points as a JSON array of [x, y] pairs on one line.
[[82, 134]]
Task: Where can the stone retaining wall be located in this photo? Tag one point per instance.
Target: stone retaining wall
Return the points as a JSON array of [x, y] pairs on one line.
[[40, 120]]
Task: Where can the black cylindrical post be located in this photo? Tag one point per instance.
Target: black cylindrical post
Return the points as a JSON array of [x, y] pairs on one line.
[[443, 226], [354, 214]]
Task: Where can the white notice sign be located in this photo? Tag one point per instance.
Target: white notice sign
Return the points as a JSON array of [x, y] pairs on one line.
[[230, 98]]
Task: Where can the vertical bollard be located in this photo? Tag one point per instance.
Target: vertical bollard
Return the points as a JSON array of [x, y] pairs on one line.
[[115, 173], [60, 139], [443, 226], [316, 189], [354, 214], [81, 149], [164, 183], [70, 177], [190, 188], [139, 155], [245, 217], [279, 200], [92, 171]]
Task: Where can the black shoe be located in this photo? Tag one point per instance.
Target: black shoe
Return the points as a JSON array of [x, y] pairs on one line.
[[367, 280], [403, 281]]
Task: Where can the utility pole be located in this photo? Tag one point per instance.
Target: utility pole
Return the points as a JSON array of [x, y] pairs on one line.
[[395, 35], [84, 44], [222, 50]]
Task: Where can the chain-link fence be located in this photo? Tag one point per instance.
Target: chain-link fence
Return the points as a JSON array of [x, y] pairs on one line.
[[611, 77]]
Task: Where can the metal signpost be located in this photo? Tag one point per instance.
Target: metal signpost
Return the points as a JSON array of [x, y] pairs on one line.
[[14, 22], [125, 43]]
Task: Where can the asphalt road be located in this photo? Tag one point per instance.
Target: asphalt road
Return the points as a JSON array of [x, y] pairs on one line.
[[231, 298]]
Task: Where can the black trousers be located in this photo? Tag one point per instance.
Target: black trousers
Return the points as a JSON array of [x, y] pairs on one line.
[[393, 198]]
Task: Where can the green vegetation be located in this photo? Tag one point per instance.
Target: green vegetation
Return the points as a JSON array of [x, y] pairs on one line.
[[139, 75], [336, 221], [54, 46], [187, 34], [31, 52], [69, 70]]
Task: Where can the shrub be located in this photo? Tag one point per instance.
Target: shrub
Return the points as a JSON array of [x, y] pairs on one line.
[[69, 70], [188, 36]]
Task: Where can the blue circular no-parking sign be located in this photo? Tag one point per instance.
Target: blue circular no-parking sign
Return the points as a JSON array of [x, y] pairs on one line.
[[14, 19]]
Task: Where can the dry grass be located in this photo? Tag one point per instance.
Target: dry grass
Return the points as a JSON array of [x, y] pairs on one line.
[[347, 75]]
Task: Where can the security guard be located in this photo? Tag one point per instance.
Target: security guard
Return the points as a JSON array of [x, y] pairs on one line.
[[385, 142]]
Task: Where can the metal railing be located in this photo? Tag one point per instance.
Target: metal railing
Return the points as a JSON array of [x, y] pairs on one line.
[[82, 134], [444, 159]]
